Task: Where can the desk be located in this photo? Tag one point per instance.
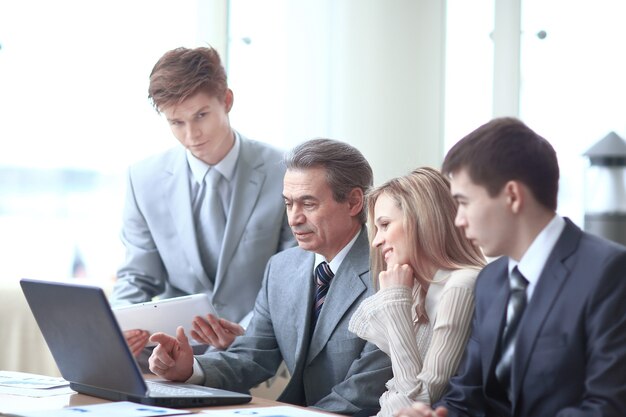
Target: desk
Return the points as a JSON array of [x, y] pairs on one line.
[[24, 349], [14, 404]]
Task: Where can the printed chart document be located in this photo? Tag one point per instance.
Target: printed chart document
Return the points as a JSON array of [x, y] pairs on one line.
[[122, 408], [32, 385], [279, 411]]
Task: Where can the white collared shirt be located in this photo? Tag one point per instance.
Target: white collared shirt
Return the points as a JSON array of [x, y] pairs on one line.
[[534, 259], [338, 259], [198, 169]]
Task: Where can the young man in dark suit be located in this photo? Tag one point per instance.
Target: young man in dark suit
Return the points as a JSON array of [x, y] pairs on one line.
[[549, 331]]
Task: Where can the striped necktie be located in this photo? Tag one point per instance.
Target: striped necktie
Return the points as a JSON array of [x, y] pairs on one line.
[[514, 312], [323, 276]]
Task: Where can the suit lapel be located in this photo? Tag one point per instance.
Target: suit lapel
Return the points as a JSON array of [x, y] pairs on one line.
[[553, 276], [494, 318], [178, 198], [300, 312], [248, 182], [345, 288]]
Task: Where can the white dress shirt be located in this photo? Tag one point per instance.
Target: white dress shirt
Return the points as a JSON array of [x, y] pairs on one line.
[[534, 259]]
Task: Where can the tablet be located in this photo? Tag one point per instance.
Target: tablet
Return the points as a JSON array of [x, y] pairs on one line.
[[164, 315]]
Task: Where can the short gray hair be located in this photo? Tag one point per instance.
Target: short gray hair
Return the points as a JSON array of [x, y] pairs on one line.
[[346, 167]]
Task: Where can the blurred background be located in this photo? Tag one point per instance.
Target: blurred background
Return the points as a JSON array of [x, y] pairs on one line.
[[402, 80]]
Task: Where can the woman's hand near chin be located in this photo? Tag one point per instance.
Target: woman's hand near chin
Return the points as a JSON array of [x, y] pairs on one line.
[[396, 276]]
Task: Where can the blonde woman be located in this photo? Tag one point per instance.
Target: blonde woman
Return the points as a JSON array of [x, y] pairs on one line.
[[426, 270]]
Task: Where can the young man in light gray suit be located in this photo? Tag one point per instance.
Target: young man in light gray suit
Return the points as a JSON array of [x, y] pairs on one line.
[[173, 246], [295, 319], [549, 331]]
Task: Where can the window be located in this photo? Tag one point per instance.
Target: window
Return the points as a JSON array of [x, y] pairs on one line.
[[469, 67], [573, 87], [75, 114]]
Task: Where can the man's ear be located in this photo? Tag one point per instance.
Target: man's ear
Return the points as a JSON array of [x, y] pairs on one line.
[[515, 194], [356, 201], [229, 99]]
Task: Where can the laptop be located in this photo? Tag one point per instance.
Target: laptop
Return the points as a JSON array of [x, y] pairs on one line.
[[90, 350]]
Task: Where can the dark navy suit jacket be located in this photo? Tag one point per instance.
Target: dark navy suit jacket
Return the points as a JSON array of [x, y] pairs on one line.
[[570, 353]]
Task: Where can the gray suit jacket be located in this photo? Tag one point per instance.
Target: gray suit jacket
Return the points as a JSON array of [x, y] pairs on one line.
[[162, 256], [332, 369]]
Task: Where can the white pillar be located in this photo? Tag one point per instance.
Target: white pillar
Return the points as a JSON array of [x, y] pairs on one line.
[[213, 25], [387, 72], [506, 72]]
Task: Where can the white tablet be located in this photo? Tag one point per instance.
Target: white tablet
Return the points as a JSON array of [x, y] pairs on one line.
[[164, 315]]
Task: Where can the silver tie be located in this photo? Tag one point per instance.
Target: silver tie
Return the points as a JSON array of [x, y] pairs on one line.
[[211, 222]]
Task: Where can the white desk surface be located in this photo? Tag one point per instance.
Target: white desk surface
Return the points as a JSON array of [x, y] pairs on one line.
[[14, 404], [24, 349]]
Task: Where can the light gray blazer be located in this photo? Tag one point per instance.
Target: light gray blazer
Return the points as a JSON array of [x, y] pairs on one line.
[[162, 256], [332, 369]]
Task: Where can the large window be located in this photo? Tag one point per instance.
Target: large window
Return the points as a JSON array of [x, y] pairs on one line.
[[573, 84], [74, 114], [74, 110], [279, 68], [469, 67]]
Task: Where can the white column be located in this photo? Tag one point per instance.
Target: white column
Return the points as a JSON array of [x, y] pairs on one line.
[[506, 73], [387, 74], [213, 25], [368, 72]]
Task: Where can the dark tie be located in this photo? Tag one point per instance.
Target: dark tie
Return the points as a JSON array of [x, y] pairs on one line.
[[514, 312], [323, 276]]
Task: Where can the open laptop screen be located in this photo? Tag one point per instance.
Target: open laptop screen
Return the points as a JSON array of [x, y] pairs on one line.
[[90, 350], [83, 336]]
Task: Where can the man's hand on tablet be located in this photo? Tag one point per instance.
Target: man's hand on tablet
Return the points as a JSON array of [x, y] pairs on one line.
[[217, 332], [136, 340]]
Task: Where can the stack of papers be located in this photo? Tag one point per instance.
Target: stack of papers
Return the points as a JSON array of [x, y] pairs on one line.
[[122, 408], [32, 385]]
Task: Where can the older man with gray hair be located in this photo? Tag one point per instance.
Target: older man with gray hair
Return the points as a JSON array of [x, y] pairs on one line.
[[308, 295]]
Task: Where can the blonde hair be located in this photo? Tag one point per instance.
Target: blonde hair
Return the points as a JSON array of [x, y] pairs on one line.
[[428, 212]]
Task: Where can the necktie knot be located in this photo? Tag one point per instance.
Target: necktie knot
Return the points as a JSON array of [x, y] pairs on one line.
[[212, 178], [517, 281], [323, 274]]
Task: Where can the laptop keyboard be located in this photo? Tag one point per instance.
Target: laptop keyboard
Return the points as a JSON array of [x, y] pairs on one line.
[[157, 389]]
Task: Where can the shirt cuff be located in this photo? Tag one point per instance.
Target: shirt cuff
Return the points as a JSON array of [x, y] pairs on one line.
[[197, 377]]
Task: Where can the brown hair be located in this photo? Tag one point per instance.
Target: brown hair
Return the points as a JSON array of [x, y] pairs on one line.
[[505, 149], [428, 211], [182, 72], [346, 167]]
